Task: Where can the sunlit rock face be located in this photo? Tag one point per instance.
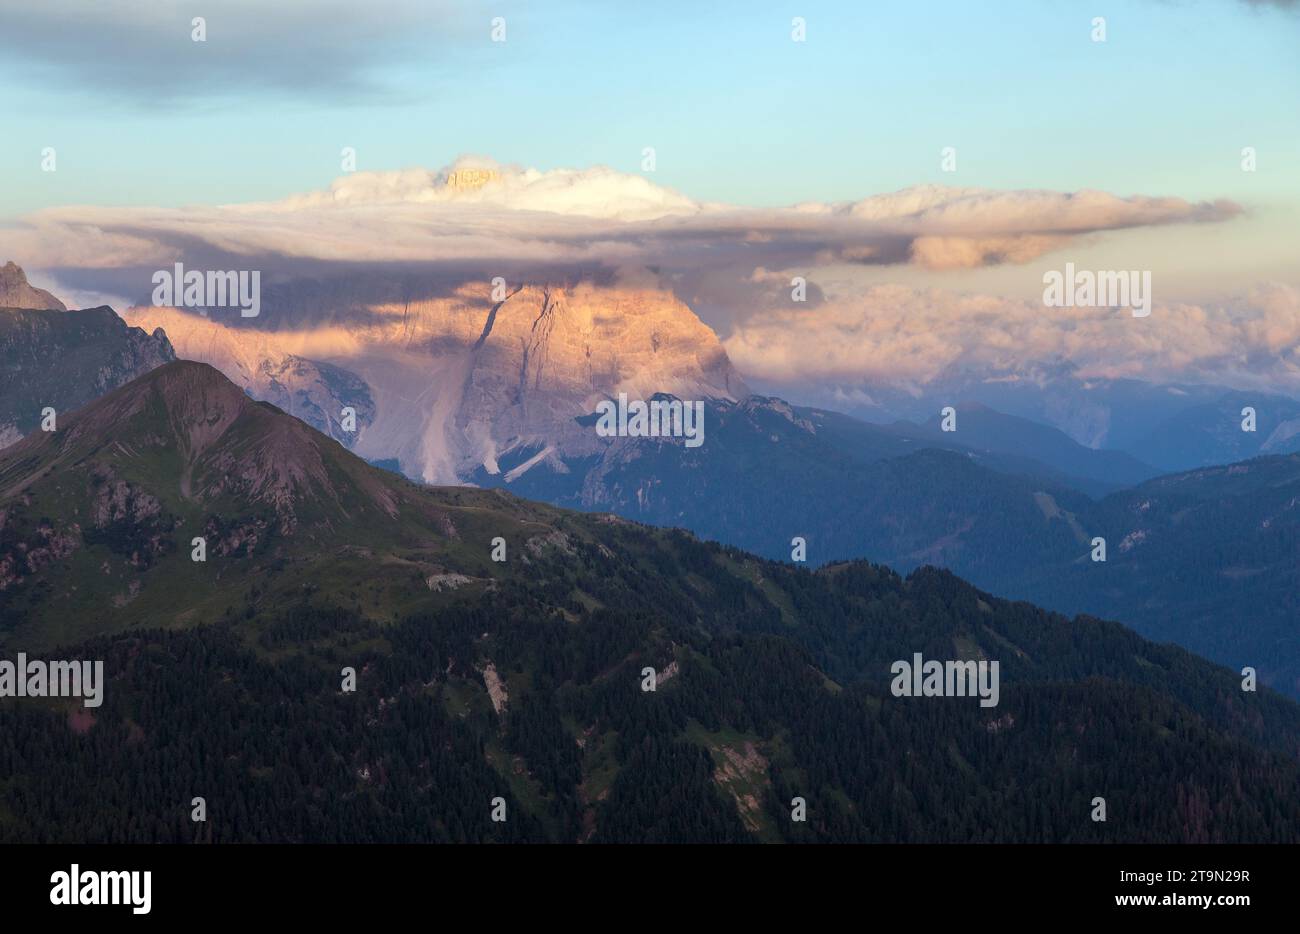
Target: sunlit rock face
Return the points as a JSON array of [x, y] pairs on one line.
[[16, 292], [447, 384]]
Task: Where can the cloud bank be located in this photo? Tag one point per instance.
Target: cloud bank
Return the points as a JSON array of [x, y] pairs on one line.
[[531, 222], [902, 336]]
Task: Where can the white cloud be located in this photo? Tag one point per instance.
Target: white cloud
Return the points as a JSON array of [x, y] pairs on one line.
[[580, 218], [597, 192]]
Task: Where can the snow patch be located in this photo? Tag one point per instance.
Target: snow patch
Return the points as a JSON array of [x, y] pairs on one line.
[[517, 472]]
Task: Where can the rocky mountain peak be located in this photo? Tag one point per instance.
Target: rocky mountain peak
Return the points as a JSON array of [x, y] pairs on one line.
[[227, 447], [16, 292]]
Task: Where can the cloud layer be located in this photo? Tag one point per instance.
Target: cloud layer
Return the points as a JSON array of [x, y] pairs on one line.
[[530, 222], [903, 336]]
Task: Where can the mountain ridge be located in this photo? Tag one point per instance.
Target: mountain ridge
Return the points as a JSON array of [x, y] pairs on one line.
[[95, 352]]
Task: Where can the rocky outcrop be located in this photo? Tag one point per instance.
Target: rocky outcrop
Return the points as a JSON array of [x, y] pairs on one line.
[[16, 292], [61, 360]]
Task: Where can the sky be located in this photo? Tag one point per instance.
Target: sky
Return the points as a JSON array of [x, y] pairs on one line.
[[741, 118], [736, 111]]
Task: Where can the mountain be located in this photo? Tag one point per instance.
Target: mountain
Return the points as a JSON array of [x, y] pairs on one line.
[[1168, 427], [1099, 413], [312, 390], [449, 386], [521, 681], [88, 504], [15, 292], [1211, 433], [63, 359], [768, 473], [1206, 558], [449, 383], [985, 429], [502, 395]]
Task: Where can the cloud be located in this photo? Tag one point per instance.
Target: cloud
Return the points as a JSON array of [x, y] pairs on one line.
[[903, 336], [531, 223], [597, 192], [142, 51], [972, 252]]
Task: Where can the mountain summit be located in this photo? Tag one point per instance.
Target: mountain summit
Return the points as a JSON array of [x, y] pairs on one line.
[[16, 292], [107, 508]]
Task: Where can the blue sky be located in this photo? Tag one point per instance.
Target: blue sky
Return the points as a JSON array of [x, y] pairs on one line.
[[736, 111]]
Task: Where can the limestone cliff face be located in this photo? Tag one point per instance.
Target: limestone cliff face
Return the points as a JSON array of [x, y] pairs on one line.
[[448, 384]]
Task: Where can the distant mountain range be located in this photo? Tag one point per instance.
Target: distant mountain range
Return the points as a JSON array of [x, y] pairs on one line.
[[1037, 446], [1170, 427], [1206, 559], [1211, 433], [523, 679], [511, 372]]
